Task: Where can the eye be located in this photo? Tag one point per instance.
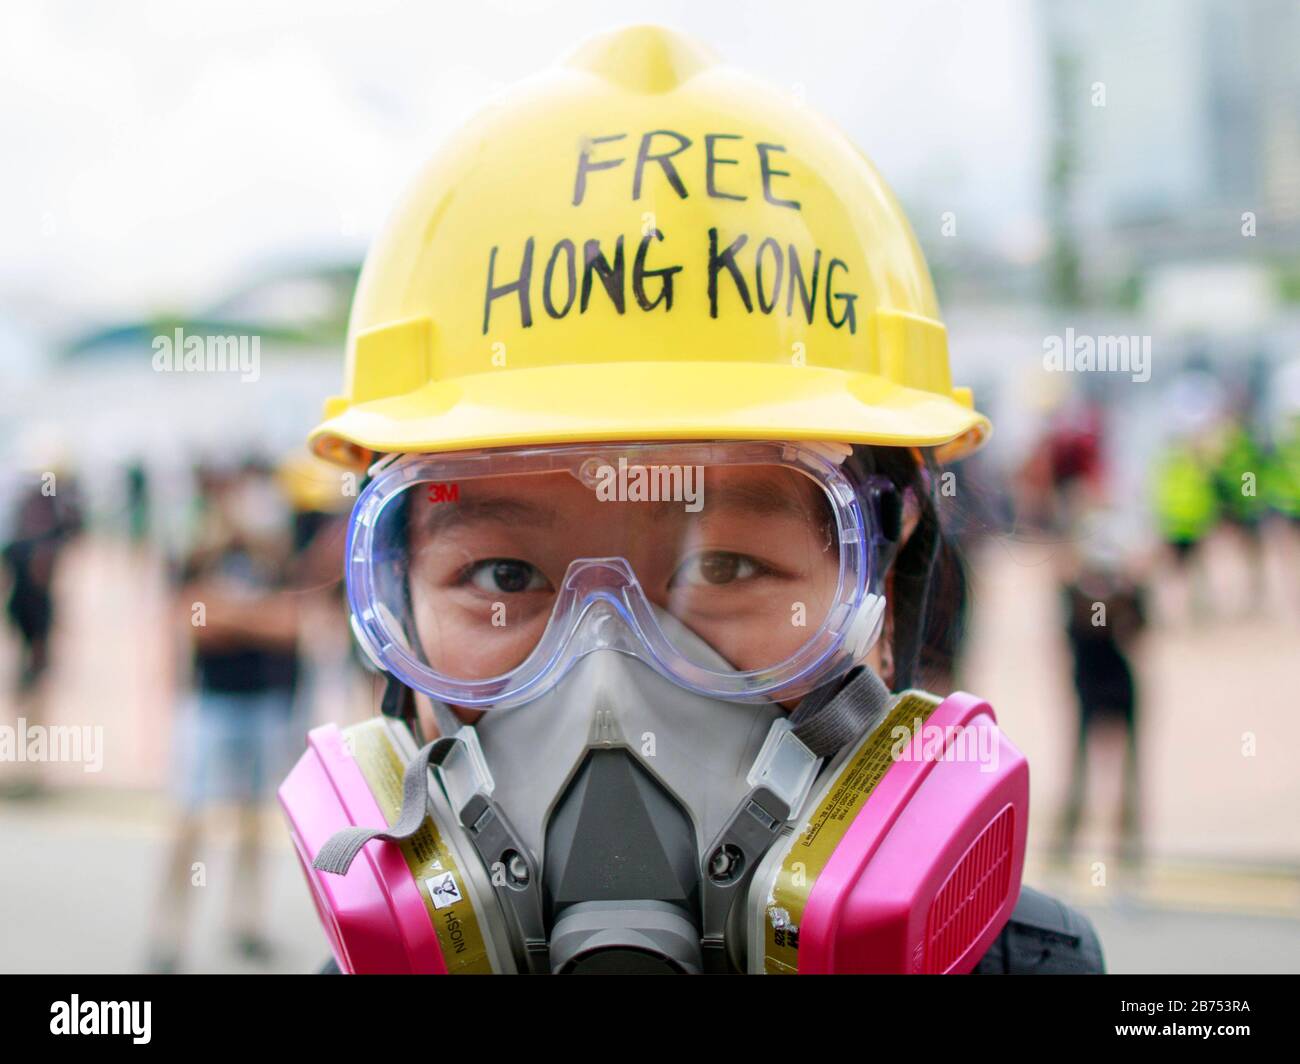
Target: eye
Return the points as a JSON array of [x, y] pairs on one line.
[[716, 568], [506, 576]]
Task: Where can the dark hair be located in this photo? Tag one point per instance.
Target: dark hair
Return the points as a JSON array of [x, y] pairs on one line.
[[929, 578]]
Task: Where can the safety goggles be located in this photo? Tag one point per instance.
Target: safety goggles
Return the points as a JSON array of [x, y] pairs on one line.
[[741, 570]]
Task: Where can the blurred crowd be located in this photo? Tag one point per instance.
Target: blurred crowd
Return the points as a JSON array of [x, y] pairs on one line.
[[258, 565], [1225, 463]]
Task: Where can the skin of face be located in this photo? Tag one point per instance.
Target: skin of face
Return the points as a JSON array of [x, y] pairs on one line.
[[686, 563]]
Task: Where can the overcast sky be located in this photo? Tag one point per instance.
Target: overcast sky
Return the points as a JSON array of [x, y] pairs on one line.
[[156, 153]]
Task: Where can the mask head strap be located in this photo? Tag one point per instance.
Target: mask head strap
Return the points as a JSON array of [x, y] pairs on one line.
[[831, 718], [399, 703]]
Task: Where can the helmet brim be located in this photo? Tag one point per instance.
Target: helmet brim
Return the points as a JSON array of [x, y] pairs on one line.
[[652, 401]]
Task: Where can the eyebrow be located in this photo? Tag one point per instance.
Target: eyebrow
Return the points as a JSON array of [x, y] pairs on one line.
[[762, 498], [445, 515]]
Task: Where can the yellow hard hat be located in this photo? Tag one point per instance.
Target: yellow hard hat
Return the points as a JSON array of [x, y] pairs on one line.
[[643, 244]]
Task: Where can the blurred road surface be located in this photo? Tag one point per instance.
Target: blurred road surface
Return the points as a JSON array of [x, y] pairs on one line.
[[81, 875]]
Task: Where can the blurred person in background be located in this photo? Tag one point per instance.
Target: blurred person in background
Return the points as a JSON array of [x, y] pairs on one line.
[[1240, 461], [335, 681], [48, 515], [1186, 505], [235, 735], [1063, 473], [319, 497], [138, 517], [1281, 480], [1240, 455], [1185, 493], [1105, 611]]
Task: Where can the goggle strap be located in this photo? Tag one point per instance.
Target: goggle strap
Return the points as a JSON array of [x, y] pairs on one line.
[[912, 572]]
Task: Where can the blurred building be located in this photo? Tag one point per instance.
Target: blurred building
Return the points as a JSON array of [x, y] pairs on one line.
[[1184, 124], [98, 390]]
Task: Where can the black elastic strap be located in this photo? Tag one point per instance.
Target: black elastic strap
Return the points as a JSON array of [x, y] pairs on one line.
[[911, 587], [399, 703]]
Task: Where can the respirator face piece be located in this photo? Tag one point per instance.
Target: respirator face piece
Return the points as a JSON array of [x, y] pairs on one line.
[[615, 842], [621, 781]]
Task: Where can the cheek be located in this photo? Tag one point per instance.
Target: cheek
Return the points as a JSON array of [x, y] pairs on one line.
[[758, 646], [430, 726], [467, 646]]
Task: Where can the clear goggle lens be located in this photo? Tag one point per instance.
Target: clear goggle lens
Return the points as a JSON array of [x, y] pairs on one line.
[[734, 568]]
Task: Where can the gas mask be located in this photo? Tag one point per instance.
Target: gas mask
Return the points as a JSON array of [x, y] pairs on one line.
[[632, 800]]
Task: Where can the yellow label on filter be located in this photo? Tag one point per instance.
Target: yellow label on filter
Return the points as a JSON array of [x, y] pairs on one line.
[[441, 882], [811, 849]]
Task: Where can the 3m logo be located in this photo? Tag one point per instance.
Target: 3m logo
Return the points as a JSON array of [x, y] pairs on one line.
[[444, 493]]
